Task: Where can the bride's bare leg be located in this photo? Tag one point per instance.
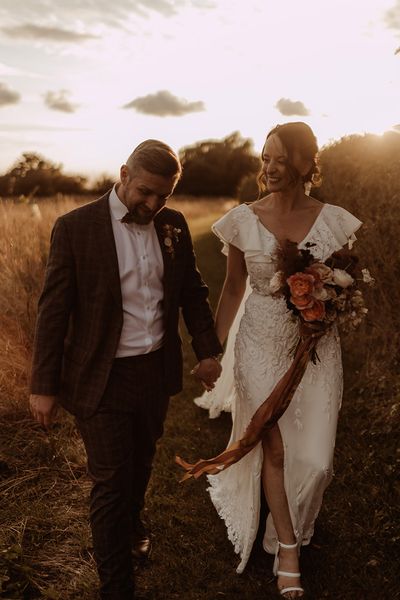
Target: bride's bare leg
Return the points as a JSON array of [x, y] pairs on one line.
[[274, 490]]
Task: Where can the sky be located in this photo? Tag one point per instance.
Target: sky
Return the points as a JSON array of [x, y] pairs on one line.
[[82, 82]]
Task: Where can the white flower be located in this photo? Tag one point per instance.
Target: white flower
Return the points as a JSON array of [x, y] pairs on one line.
[[324, 294], [366, 275], [342, 278], [275, 283], [323, 271], [357, 301]]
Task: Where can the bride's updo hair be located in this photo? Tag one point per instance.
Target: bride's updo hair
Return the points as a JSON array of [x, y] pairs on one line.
[[296, 137]]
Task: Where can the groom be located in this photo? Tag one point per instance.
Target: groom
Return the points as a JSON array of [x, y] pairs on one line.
[[107, 346]]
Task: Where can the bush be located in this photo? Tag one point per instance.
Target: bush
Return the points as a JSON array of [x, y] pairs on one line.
[[215, 168], [248, 189], [34, 175]]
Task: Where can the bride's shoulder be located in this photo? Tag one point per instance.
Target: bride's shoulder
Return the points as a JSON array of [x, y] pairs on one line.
[[238, 214], [240, 209], [234, 227]]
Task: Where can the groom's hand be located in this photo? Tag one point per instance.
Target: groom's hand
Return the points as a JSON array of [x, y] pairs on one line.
[[43, 408], [207, 370]]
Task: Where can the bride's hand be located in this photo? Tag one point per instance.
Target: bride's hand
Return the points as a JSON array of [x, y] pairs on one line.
[[207, 371]]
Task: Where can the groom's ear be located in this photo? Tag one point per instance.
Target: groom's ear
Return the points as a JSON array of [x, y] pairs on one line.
[[124, 174]]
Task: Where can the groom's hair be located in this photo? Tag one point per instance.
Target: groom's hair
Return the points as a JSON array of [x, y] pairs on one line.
[[155, 157]]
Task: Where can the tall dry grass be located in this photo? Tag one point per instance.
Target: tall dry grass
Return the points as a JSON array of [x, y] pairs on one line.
[[362, 173], [45, 540]]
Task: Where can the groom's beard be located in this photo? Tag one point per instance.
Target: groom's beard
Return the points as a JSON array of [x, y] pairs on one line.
[[141, 215]]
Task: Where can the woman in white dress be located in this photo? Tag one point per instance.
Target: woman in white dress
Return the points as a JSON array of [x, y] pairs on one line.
[[294, 461]]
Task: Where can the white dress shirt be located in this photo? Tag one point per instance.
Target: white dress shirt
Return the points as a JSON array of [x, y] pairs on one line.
[[141, 271]]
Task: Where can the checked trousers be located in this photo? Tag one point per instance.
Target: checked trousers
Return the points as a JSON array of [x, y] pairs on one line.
[[120, 441]]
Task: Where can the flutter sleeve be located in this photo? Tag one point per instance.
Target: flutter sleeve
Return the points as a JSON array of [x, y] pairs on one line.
[[344, 225], [231, 228]]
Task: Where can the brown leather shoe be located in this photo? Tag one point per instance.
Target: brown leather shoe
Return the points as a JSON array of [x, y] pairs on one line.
[[141, 542]]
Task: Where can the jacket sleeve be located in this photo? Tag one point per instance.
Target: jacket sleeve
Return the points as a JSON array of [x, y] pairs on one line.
[[54, 310], [196, 309]]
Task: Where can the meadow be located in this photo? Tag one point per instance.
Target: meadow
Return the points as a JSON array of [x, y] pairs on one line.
[[45, 546]]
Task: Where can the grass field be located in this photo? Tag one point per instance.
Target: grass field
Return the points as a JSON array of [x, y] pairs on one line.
[[45, 547]]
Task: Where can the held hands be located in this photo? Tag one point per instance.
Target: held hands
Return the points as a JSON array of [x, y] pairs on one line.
[[207, 371], [43, 408]]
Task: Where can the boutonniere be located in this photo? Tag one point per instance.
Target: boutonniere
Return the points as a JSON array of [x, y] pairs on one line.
[[171, 237]]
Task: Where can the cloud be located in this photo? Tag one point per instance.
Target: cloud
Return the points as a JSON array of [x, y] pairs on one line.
[[290, 107], [59, 101], [7, 95], [203, 4], [41, 32], [93, 12], [6, 70], [164, 7], [392, 17], [164, 104], [16, 127]]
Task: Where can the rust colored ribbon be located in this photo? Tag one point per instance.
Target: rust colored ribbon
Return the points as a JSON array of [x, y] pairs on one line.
[[268, 413]]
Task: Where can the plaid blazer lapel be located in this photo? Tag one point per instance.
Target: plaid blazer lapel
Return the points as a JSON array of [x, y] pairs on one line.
[[168, 258], [108, 259]]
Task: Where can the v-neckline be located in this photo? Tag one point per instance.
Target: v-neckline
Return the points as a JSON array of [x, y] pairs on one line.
[[274, 236]]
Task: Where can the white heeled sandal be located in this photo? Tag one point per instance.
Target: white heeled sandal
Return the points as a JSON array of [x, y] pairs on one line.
[[277, 572]]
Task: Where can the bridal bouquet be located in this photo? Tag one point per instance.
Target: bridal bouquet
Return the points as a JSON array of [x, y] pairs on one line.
[[318, 294], [321, 292]]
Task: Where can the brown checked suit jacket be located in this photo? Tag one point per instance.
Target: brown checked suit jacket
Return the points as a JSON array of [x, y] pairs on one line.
[[80, 309]]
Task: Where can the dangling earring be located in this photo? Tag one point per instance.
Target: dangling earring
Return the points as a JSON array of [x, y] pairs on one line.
[[307, 187]]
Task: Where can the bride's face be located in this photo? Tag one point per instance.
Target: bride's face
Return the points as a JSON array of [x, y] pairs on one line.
[[275, 165], [279, 173]]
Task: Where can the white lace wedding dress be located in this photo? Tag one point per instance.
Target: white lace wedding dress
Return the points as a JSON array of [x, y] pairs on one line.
[[266, 333]]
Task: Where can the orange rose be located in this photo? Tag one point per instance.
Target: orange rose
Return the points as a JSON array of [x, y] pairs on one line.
[[301, 284], [316, 312], [302, 302]]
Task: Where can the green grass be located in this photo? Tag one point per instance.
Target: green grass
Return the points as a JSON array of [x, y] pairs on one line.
[[45, 538]]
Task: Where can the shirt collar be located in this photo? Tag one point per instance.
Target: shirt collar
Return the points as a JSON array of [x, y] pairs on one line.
[[118, 208]]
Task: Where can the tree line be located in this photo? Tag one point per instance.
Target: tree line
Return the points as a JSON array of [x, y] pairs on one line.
[[219, 168], [210, 168]]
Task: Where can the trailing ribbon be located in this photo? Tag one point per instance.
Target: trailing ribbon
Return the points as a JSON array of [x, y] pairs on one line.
[[270, 410]]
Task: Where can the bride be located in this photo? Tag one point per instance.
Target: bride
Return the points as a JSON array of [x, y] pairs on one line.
[[293, 463]]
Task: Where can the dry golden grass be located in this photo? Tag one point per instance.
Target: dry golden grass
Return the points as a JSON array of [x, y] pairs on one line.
[[366, 181], [45, 541]]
